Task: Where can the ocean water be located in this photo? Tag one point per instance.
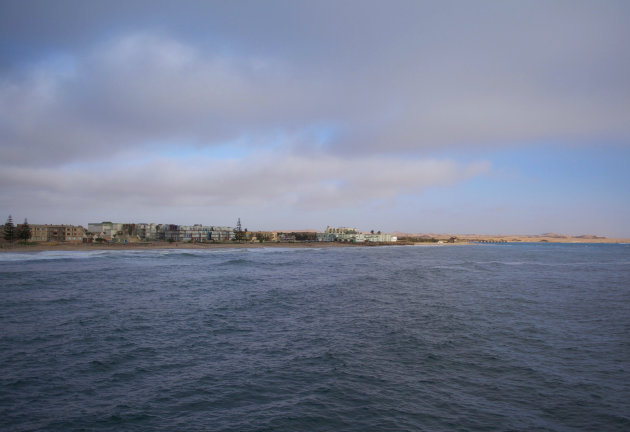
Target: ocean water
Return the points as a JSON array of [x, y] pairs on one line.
[[531, 337]]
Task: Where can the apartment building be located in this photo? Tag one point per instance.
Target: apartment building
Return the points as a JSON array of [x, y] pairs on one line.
[[147, 231], [353, 235], [106, 230], [58, 233], [197, 233]]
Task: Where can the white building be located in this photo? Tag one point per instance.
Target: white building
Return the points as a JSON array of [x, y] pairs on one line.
[[106, 230], [197, 233], [352, 235]]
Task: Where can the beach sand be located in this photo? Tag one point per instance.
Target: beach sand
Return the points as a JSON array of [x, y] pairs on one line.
[[6, 247], [461, 239], [542, 238]]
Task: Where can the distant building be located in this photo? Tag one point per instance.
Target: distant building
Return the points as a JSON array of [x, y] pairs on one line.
[[380, 238], [341, 230], [269, 236], [197, 233], [352, 235], [221, 234], [146, 231], [171, 232], [57, 233], [106, 230], [338, 234], [110, 231], [286, 237]]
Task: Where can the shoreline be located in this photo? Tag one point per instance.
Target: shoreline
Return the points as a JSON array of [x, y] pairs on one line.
[[179, 245], [48, 247]]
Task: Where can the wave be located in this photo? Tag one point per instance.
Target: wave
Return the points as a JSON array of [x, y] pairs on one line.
[[102, 253], [51, 255]]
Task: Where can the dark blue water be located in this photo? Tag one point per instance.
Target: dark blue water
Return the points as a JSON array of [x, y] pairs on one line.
[[459, 338]]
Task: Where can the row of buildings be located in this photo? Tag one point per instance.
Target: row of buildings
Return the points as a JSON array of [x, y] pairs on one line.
[[353, 235], [123, 232], [134, 232], [110, 231], [57, 233]]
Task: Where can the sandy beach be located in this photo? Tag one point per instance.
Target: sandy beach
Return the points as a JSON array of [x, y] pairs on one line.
[[461, 240], [540, 238], [5, 247]]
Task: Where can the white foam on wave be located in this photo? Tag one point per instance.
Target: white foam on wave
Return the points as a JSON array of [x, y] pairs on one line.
[[139, 253], [50, 255], [274, 249], [196, 252]]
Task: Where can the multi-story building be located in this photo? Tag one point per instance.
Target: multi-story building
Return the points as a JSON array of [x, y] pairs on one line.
[[106, 230], [60, 233], [39, 233], [338, 234], [221, 234], [197, 233], [352, 235], [171, 232], [166, 232], [146, 231], [341, 230], [286, 237], [380, 238], [269, 236]]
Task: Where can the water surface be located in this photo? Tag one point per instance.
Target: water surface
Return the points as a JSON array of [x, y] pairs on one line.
[[492, 337]]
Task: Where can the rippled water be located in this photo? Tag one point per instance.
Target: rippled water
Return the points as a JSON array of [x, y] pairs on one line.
[[494, 337]]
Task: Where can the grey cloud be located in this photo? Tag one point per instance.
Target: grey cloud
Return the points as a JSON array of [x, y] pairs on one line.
[[136, 90], [338, 105], [415, 78]]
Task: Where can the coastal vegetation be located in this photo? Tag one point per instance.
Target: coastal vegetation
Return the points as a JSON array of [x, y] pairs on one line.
[[9, 230], [24, 232], [300, 235], [423, 239], [239, 233]]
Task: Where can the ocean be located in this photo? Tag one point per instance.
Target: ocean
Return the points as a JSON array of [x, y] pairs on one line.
[[510, 337]]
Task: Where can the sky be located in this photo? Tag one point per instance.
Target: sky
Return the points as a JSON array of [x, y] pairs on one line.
[[489, 117]]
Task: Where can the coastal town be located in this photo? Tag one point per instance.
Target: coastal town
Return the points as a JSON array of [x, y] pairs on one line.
[[130, 233], [120, 234]]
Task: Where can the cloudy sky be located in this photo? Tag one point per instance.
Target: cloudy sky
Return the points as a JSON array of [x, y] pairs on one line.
[[449, 116]]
